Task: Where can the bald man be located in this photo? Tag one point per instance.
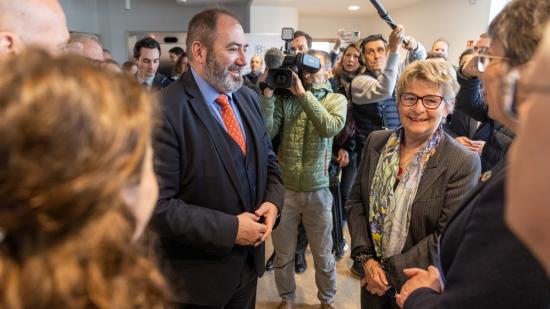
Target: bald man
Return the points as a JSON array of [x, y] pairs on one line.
[[87, 45], [38, 23]]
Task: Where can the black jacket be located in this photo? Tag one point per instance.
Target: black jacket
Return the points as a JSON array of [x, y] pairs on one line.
[[485, 266], [160, 82], [200, 193], [497, 137]]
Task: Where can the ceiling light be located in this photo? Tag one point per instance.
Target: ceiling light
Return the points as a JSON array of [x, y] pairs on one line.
[[353, 7]]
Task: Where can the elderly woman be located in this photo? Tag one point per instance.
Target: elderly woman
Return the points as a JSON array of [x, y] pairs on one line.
[[481, 263], [77, 186], [410, 181]]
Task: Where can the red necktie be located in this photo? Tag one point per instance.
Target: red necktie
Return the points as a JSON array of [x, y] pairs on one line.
[[231, 124]]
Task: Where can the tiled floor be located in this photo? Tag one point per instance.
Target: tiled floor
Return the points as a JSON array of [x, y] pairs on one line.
[[347, 285]]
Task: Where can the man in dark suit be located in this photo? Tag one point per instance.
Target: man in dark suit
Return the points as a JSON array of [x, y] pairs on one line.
[[147, 56], [220, 186]]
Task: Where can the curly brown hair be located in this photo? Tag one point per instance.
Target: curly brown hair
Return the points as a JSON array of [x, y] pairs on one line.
[[71, 137]]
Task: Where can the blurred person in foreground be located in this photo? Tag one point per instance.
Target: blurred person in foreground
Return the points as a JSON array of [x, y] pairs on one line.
[[481, 263], [77, 186], [527, 210], [410, 182]]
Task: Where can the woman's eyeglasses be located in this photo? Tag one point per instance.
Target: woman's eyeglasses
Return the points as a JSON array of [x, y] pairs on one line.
[[429, 101]]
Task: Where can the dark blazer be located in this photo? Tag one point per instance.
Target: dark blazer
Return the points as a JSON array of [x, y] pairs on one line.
[[483, 263], [469, 99], [160, 82], [449, 175], [200, 194]]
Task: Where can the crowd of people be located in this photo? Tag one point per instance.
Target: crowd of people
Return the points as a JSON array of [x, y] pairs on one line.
[[126, 188]]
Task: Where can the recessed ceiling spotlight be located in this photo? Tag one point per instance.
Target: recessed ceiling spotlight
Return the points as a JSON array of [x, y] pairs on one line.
[[353, 7]]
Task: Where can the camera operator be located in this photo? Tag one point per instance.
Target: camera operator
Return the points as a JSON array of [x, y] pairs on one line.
[[373, 93], [301, 43], [309, 120]]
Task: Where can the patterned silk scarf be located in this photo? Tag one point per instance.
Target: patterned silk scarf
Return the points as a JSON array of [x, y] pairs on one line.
[[390, 210]]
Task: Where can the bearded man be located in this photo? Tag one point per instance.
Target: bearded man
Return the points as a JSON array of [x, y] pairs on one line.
[[220, 186]]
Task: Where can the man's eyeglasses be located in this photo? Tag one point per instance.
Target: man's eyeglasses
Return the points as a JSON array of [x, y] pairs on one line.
[[509, 89], [429, 101], [484, 59]]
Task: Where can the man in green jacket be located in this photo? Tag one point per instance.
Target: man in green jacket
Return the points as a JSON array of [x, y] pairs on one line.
[[309, 120]]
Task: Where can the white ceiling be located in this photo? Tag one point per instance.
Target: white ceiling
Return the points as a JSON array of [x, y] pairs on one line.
[[335, 7]]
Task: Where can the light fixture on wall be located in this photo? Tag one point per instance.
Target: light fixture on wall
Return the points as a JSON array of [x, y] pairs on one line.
[[127, 5], [181, 1], [353, 7]]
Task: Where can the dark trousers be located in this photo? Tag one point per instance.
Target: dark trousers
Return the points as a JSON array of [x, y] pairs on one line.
[[349, 172], [244, 296], [373, 301], [301, 244]]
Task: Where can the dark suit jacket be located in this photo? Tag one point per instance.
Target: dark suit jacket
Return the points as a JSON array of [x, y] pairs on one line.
[[484, 265], [160, 82], [450, 174], [200, 194]]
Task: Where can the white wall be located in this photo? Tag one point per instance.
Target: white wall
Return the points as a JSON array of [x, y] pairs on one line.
[[496, 7], [455, 20], [327, 27], [111, 21], [81, 15], [270, 19]]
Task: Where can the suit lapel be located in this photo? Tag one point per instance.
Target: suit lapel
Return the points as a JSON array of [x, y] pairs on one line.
[[432, 171], [496, 171], [215, 131]]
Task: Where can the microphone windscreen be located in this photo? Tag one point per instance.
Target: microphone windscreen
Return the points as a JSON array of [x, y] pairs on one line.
[[273, 58]]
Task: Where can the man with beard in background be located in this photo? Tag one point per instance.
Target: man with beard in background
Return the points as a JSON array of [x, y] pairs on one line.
[[220, 186]]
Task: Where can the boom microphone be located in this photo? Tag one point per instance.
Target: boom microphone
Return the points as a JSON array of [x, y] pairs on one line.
[[386, 16], [273, 58]]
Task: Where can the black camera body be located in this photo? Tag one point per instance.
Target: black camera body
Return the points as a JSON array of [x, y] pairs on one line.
[[281, 78]]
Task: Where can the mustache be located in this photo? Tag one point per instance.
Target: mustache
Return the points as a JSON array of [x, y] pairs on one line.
[[235, 67]]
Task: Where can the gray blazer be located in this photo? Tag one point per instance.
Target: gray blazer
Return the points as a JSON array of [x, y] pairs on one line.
[[450, 174]]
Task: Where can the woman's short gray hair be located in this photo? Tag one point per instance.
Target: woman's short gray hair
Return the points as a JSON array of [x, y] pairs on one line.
[[437, 71]]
